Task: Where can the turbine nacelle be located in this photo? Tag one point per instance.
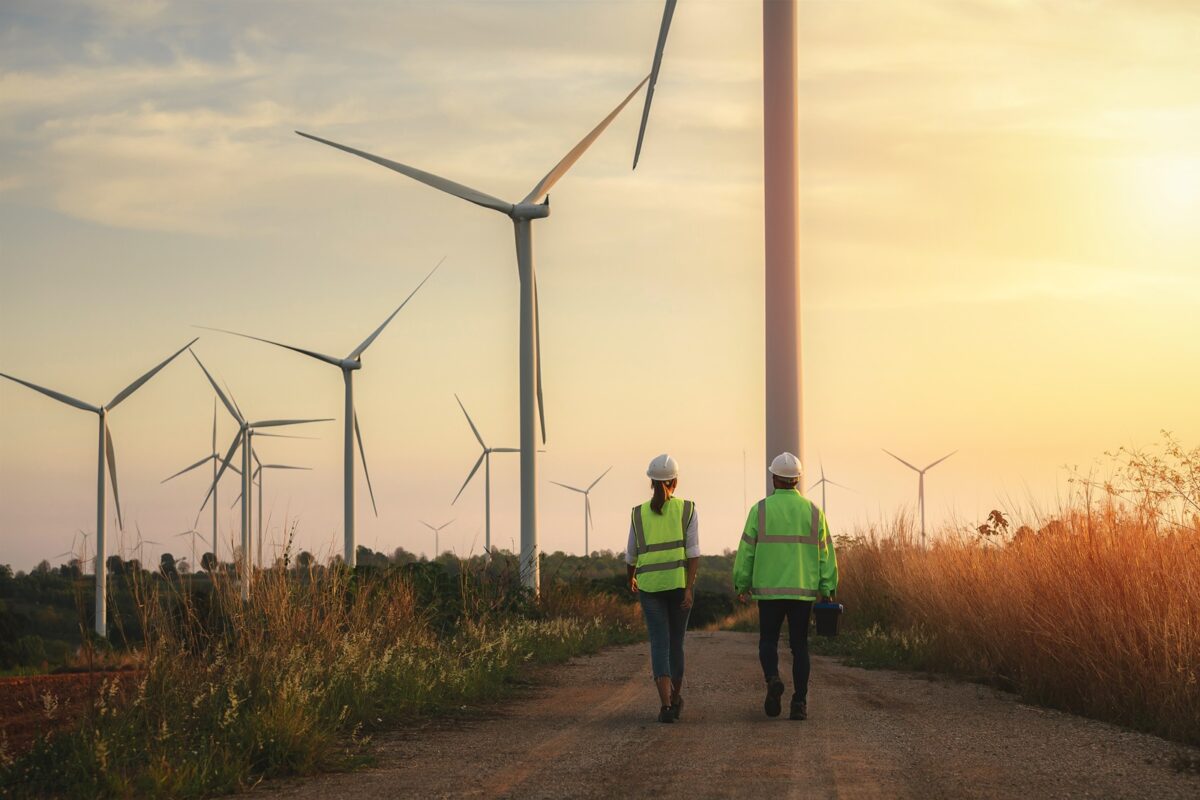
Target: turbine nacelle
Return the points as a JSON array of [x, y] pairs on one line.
[[351, 363], [531, 210]]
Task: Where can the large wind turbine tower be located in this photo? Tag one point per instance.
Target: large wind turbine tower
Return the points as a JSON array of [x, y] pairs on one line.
[[534, 206], [784, 398]]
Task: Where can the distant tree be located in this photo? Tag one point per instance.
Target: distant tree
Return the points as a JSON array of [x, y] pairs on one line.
[[133, 567], [71, 569], [43, 568], [115, 565], [208, 562], [304, 561], [184, 566], [167, 566]]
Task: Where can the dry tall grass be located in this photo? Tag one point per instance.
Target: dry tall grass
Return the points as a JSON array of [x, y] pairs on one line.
[[1097, 612]]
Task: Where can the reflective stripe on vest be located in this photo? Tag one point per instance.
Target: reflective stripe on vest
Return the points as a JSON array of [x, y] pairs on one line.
[[814, 536], [659, 567], [789, 591], [639, 533]]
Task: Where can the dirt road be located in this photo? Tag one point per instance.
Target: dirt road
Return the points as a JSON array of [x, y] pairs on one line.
[[588, 731]]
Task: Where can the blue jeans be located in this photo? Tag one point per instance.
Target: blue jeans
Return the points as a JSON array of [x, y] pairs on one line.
[[666, 622]]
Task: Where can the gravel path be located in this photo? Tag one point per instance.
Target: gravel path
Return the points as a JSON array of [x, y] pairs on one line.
[[587, 731]]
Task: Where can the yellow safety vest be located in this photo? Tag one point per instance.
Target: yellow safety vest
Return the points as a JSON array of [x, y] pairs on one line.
[[660, 540]]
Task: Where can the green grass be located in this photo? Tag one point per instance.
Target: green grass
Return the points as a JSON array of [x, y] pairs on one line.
[[297, 681]]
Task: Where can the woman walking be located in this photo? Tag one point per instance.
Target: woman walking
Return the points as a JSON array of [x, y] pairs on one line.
[[663, 556]]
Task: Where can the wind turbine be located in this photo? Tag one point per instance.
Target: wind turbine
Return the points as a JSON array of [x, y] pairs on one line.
[[348, 366], [587, 505], [258, 476], [71, 553], [193, 533], [826, 482], [214, 458], [436, 530], [784, 395], [140, 546], [242, 439], [535, 205], [105, 453], [485, 458], [920, 484]]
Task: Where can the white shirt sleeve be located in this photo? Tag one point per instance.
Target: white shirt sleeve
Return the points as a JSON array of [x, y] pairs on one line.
[[691, 543], [631, 547]]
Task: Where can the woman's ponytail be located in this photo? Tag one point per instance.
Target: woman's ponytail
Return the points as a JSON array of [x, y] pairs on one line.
[[662, 493]]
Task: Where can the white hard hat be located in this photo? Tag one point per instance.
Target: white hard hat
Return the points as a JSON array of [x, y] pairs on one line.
[[663, 468], [786, 465]]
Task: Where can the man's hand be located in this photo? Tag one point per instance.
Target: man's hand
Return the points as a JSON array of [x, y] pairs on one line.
[[688, 598], [744, 597], [633, 585], [826, 598]]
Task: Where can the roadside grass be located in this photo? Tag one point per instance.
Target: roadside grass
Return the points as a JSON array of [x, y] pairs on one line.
[[296, 680]]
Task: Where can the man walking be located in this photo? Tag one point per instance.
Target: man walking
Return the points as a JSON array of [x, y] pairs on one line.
[[785, 561]]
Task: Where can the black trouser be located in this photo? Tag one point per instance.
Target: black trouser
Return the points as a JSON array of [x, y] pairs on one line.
[[770, 621]]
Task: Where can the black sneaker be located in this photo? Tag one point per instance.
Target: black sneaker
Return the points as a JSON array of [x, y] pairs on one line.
[[799, 709], [665, 715], [774, 692], [676, 707]]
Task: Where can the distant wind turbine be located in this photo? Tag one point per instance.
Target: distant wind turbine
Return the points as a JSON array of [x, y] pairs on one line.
[[587, 505], [826, 482], [348, 366], [193, 533], [522, 213], [257, 476], [105, 453], [242, 439], [920, 483], [436, 530], [213, 458], [485, 458]]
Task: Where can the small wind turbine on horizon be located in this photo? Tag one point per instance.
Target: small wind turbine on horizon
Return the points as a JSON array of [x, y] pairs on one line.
[[348, 366], [214, 458], [242, 439], [587, 506], [920, 483], [485, 458], [535, 205], [193, 533], [824, 482], [436, 530], [105, 454]]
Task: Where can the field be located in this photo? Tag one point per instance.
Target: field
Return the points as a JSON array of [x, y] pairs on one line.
[[1094, 610]]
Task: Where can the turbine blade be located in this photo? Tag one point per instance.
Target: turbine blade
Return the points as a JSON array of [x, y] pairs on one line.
[[427, 525], [587, 506], [474, 430], [59, 396], [509, 450], [277, 423], [283, 466], [940, 460], [840, 486], [337, 362], [429, 179], [225, 464], [537, 337], [133, 387], [815, 485], [214, 436], [552, 177], [111, 456], [572, 488], [593, 486], [474, 469], [358, 351], [199, 463], [901, 460], [236, 499], [668, 12], [363, 456], [233, 412], [286, 436]]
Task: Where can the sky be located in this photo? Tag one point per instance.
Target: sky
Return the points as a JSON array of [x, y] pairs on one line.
[[997, 233]]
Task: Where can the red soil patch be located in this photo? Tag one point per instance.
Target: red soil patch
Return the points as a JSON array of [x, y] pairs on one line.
[[23, 703]]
